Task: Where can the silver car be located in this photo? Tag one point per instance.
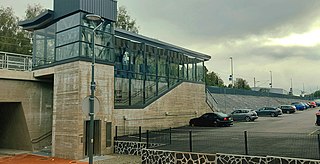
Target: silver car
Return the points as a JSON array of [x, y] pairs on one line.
[[244, 115]]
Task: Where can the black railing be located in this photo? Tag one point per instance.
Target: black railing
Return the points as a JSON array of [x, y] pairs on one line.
[[233, 91], [294, 145]]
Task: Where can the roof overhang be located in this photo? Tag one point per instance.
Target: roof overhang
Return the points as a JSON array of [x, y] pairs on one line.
[[143, 39], [41, 21]]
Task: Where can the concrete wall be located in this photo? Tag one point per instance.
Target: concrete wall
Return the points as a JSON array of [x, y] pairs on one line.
[[71, 86], [35, 109], [171, 110], [227, 102]]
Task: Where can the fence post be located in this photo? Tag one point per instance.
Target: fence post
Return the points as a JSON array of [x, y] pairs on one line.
[[246, 142], [190, 140], [139, 133], [147, 139], [170, 135], [115, 138], [319, 144]]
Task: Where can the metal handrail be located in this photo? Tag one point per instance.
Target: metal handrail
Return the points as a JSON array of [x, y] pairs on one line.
[[211, 101], [14, 61]]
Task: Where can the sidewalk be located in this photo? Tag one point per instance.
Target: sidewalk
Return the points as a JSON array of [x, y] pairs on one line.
[[38, 159]]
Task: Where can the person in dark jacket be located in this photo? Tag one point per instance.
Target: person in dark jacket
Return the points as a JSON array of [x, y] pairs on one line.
[[318, 118]]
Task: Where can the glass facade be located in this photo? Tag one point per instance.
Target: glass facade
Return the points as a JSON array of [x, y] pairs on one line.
[[71, 37], [144, 71]]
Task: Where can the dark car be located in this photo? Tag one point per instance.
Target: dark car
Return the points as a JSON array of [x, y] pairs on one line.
[[244, 115], [212, 119], [269, 111], [288, 108]]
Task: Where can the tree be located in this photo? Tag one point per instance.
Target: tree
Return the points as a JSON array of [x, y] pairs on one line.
[[124, 21], [13, 38], [316, 93], [212, 79], [33, 11], [241, 84]]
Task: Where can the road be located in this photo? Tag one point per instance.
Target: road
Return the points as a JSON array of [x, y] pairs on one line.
[[289, 135]]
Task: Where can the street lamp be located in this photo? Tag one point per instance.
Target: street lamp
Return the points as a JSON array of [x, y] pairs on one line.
[[93, 18], [231, 76], [270, 79]]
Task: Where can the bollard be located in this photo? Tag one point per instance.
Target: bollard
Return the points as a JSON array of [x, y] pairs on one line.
[[170, 135], [139, 133], [147, 139], [246, 142], [190, 140]]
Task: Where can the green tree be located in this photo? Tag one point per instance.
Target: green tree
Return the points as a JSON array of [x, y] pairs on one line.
[[316, 93], [124, 21], [212, 79], [33, 10], [241, 84], [13, 38]]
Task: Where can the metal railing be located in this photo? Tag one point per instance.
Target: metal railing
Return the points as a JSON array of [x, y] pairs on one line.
[[14, 61], [294, 145], [211, 101]]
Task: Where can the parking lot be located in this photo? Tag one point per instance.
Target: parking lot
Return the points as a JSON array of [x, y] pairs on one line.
[[288, 135]]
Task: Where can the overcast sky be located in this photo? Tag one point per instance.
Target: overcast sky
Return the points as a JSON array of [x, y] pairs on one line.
[[281, 36]]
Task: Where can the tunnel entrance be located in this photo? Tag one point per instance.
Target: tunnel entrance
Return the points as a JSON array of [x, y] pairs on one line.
[[14, 132]]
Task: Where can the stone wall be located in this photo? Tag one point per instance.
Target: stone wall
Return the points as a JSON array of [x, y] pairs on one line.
[[150, 156], [171, 110], [33, 99]]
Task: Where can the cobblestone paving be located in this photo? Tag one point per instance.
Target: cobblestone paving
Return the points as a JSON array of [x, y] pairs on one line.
[[121, 159]]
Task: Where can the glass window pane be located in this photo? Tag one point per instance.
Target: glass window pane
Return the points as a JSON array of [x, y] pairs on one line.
[[121, 89], [68, 22], [67, 51], [137, 90], [150, 87], [200, 73], [151, 59], [162, 66], [39, 50], [69, 36], [138, 64], [162, 85]]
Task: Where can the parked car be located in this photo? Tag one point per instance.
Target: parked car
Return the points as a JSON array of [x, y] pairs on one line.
[[298, 105], [312, 104], [288, 108], [244, 115], [317, 101], [269, 111], [212, 119], [305, 105]]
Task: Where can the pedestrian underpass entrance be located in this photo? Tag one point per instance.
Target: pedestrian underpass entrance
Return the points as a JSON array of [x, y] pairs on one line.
[[14, 132]]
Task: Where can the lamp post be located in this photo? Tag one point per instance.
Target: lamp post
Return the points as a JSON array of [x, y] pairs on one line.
[[270, 79], [92, 17], [231, 76]]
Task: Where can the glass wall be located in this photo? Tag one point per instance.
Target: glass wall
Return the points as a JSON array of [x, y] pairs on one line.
[[43, 46], [148, 71], [72, 37]]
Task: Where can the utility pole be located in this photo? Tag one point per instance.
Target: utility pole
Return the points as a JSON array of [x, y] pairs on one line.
[[231, 76], [270, 79]]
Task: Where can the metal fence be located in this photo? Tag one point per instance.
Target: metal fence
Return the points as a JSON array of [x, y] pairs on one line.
[[295, 145], [218, 90], [17, 62]]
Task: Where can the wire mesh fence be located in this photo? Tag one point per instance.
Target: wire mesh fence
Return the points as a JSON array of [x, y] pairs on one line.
[[294, 145]]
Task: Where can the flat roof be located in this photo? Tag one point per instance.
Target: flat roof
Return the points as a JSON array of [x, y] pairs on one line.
[[143, 39]]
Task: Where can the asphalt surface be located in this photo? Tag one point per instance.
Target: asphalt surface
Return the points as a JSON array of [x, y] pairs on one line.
[[288, 135]]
